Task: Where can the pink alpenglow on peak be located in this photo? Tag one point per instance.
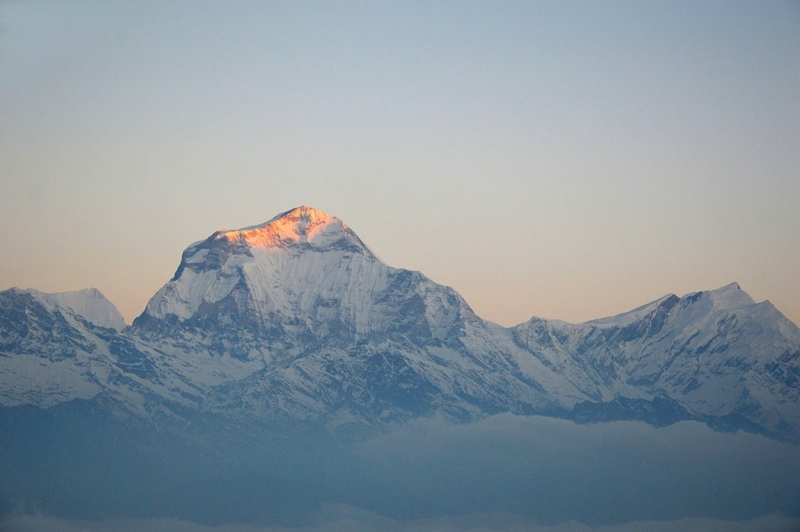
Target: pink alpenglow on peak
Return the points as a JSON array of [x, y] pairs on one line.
[[300, 225], [272, 265]]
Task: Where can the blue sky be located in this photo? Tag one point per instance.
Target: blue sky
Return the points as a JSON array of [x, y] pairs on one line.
[[561, 159]]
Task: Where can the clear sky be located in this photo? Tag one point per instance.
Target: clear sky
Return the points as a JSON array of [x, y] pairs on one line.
[[560, 159]]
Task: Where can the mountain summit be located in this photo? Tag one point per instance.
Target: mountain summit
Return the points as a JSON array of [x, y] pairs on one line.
[[302, 225], [272, 267], [302, 274]]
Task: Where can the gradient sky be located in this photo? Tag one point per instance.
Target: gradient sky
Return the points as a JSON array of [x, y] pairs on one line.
[[560, 159]]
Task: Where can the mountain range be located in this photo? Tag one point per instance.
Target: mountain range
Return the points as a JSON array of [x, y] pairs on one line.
[[296, 322]]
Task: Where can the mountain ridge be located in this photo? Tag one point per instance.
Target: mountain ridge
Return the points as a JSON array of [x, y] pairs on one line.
[[296, 320]]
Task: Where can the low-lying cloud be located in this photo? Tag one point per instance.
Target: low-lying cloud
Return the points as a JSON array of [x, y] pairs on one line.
[[558, 471], [348, 519], [503, 473]]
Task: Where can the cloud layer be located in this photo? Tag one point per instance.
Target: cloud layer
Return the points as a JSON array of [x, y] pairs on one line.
[[503, 473], [349, 519]]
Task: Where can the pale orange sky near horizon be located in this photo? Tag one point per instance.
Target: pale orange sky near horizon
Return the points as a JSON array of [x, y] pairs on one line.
[[561, 160]]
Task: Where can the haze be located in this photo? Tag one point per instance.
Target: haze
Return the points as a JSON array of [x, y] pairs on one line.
[[565, 160], [503, 473]]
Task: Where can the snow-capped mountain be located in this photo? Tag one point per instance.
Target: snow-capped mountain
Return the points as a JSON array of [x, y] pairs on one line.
[[717, 353], [58, 347], [296, 320], [339, 335]]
